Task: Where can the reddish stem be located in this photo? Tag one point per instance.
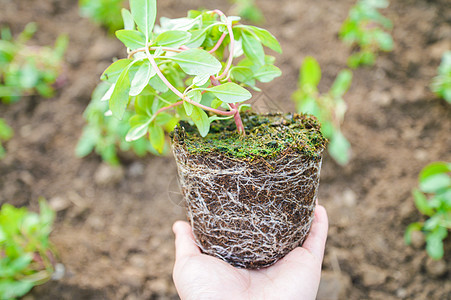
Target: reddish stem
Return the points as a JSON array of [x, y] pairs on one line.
[[218, 44], [168, 107]]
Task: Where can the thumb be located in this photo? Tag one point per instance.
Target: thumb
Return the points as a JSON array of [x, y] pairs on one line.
[[184, 240]]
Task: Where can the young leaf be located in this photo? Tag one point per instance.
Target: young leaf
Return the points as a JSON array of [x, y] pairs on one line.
[[119, 99], [172, 38], [196, 96], [127, 17], [230, 92], [411, 228], [141, 78], [434, 245], [421, 203], [433, 169], [341, 84], [200, 118], [156, 136], [139, 126], [144, 13], [267, 73], [131, 38], [253, 49], [339, 148], [112, 73], [310, 73], [267, 38], [197, 62], [435, 183], [200, 80]]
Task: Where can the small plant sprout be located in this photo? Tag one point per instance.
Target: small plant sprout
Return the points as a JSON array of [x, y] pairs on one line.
[[433, 199], [103, 12], [248, 10], [366, 30], [329, 108], [28, 70], [6, 133], [185, 69], [26, 256], [106, 135], [441, 84]]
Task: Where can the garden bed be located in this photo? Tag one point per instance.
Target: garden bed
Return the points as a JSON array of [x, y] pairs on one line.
[[113, 228]]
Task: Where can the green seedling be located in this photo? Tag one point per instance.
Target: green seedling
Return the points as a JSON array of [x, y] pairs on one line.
[[366, 29], [106, 135], [6, 133], [27, 258], [248, 10], [28, 70], [441, 84], [329, 107], [184, 69], [106, 13], [433, 199]]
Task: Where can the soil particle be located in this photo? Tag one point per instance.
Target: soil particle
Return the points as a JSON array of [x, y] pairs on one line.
[[373, 276], [107, 175], [418, 239], [333, 286], [436, 268]]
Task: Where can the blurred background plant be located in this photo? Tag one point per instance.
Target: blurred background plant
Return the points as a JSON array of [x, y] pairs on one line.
[[27, 257], [329, 107], [6, 133], [106, 13], [248, 10], [433, 199], [105, 135], [441, 84], [27, 70], [366, 30]]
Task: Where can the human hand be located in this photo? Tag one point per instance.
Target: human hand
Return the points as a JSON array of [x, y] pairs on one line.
[[296, 276]]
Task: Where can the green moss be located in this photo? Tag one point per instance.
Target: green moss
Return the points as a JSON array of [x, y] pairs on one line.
[[266, 136]]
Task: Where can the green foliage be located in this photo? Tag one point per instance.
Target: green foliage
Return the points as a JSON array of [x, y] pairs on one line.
[[106, 135], [26, 70], [26, 255], [366, 29], [433, 199], [248, 10], [6, 133], [329, 107], [441, 84], [103, 12], [184, 67]]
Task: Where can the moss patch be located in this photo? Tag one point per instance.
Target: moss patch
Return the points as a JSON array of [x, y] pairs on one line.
[[267, 136]]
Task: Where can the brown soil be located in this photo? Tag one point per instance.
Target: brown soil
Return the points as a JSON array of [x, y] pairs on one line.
[[113, 229]]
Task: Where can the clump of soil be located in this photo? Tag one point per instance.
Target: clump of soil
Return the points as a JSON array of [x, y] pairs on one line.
[[251, 200]]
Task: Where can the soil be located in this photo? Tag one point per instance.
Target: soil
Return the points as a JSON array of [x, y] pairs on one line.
[[113, 229], [251, 211]]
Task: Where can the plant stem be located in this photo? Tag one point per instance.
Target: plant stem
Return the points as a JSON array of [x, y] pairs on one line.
[[232, 44], [179, 94], [221, 39]]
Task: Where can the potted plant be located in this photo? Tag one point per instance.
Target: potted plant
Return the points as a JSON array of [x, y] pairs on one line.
[[250, 181]]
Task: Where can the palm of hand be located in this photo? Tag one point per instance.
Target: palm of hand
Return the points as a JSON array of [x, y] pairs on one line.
[[296, 276]]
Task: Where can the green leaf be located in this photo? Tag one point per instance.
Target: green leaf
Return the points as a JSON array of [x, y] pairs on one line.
[[200, 80], [200, 118], [144, 13], [173, 38], [196, 96], [197, 62], [267, 73], [339, 148], [119, 99], [421, 203], [127, 17], [141, 78], [433, 169], [158, 84], [253, 49], [230, 92], [267, 39], [310, 73], [242, 74], [435, 183], [131, 38], [434, 245], [139, 126], [197, 38], [341, 84], [112, 73], [156, 136]]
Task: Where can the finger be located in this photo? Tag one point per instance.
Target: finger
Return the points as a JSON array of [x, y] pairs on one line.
[[316, 240], [184, 240]]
